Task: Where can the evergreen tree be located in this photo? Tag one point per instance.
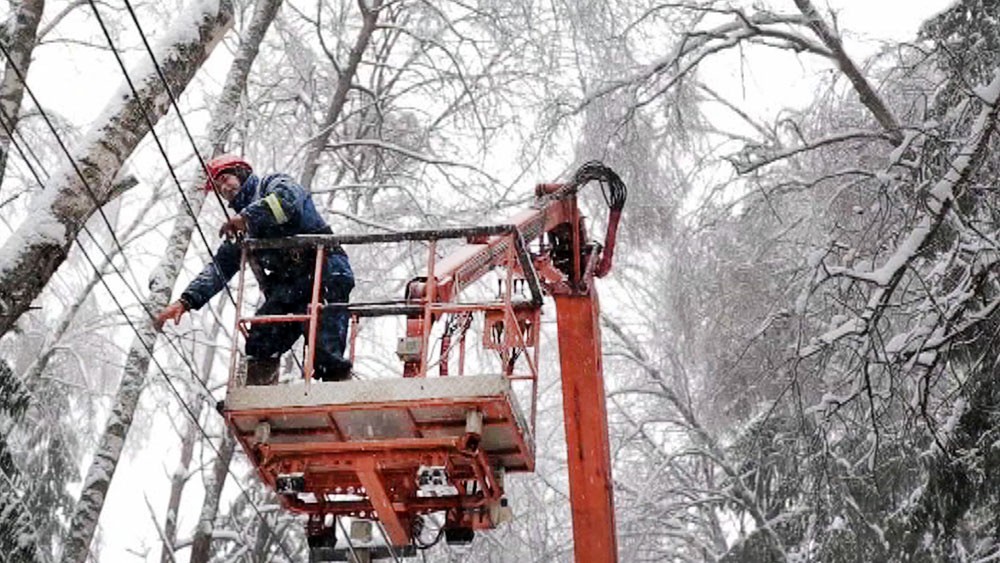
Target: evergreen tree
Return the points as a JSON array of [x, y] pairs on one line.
[[17, 531]]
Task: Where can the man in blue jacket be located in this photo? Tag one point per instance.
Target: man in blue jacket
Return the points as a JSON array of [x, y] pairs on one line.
[[270, 207]]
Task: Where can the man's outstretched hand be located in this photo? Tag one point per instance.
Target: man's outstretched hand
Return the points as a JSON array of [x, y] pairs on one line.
[[234, 228], [173, 311]]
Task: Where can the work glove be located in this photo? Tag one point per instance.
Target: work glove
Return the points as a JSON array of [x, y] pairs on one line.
[[173, 311], [234, 228]]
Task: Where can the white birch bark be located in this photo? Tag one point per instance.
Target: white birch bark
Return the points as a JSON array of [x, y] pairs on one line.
[[20, 43], [220, 129], [179, 65], [40, 245]]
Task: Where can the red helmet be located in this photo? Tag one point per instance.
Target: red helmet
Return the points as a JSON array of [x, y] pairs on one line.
[[220, 164]]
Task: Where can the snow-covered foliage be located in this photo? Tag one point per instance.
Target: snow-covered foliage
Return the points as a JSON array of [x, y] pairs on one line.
[[17, 531]]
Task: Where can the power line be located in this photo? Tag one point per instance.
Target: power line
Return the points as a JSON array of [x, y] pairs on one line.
[[159, 144], [180, 117], [181, 401], [34, 173], [83, 227], [173, 100], [9, 129], [166, 159]]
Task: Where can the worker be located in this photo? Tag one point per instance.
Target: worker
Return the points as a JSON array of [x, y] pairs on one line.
[[270, 207]]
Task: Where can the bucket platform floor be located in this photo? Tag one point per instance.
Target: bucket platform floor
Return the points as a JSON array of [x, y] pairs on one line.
[[334, 436]]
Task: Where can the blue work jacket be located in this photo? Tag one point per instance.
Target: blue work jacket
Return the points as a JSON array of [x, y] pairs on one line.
[[274, 206]]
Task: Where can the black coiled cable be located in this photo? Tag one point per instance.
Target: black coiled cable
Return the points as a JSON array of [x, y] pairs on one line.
[[612, 187]]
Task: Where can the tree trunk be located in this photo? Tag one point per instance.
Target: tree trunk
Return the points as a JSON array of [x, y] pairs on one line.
[[121, 132], [318, 143], [19, 45], [39, 246], [201, 546], [220, 130], [191, 434]]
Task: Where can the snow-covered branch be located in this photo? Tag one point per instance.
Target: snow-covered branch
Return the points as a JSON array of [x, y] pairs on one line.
[[940, 200], [34, 252]]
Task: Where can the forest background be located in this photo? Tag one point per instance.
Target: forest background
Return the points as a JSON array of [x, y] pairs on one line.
[[800, 333]]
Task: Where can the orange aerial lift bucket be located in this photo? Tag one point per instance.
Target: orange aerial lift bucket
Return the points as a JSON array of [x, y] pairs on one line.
[[394, 449]]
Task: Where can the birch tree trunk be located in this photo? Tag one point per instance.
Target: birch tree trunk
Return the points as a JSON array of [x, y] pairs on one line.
[[346, 77], [201, 546], [19, 44], [39, 246], [192, 431], [211, 28], [220, 129]]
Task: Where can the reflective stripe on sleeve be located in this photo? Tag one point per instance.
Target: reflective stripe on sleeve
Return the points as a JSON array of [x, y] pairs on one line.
[[275, 205]]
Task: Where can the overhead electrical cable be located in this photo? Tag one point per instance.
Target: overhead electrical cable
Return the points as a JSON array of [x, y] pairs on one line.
[[97, 204], [173, 100], [180, 117], [187, 408]]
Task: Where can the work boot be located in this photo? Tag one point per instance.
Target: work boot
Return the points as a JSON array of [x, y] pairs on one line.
[[337, 369], [262, 371]]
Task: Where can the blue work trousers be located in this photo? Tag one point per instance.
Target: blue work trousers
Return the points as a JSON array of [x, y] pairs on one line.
[[291, 294]]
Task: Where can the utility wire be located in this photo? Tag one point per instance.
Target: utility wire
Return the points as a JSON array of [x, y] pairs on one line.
[[180, 117], [190, 210], [183, 403], [21, 151], [173, 102], [159, 144], [17, 146], [83, 227], [194, 146], [8, 128]]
